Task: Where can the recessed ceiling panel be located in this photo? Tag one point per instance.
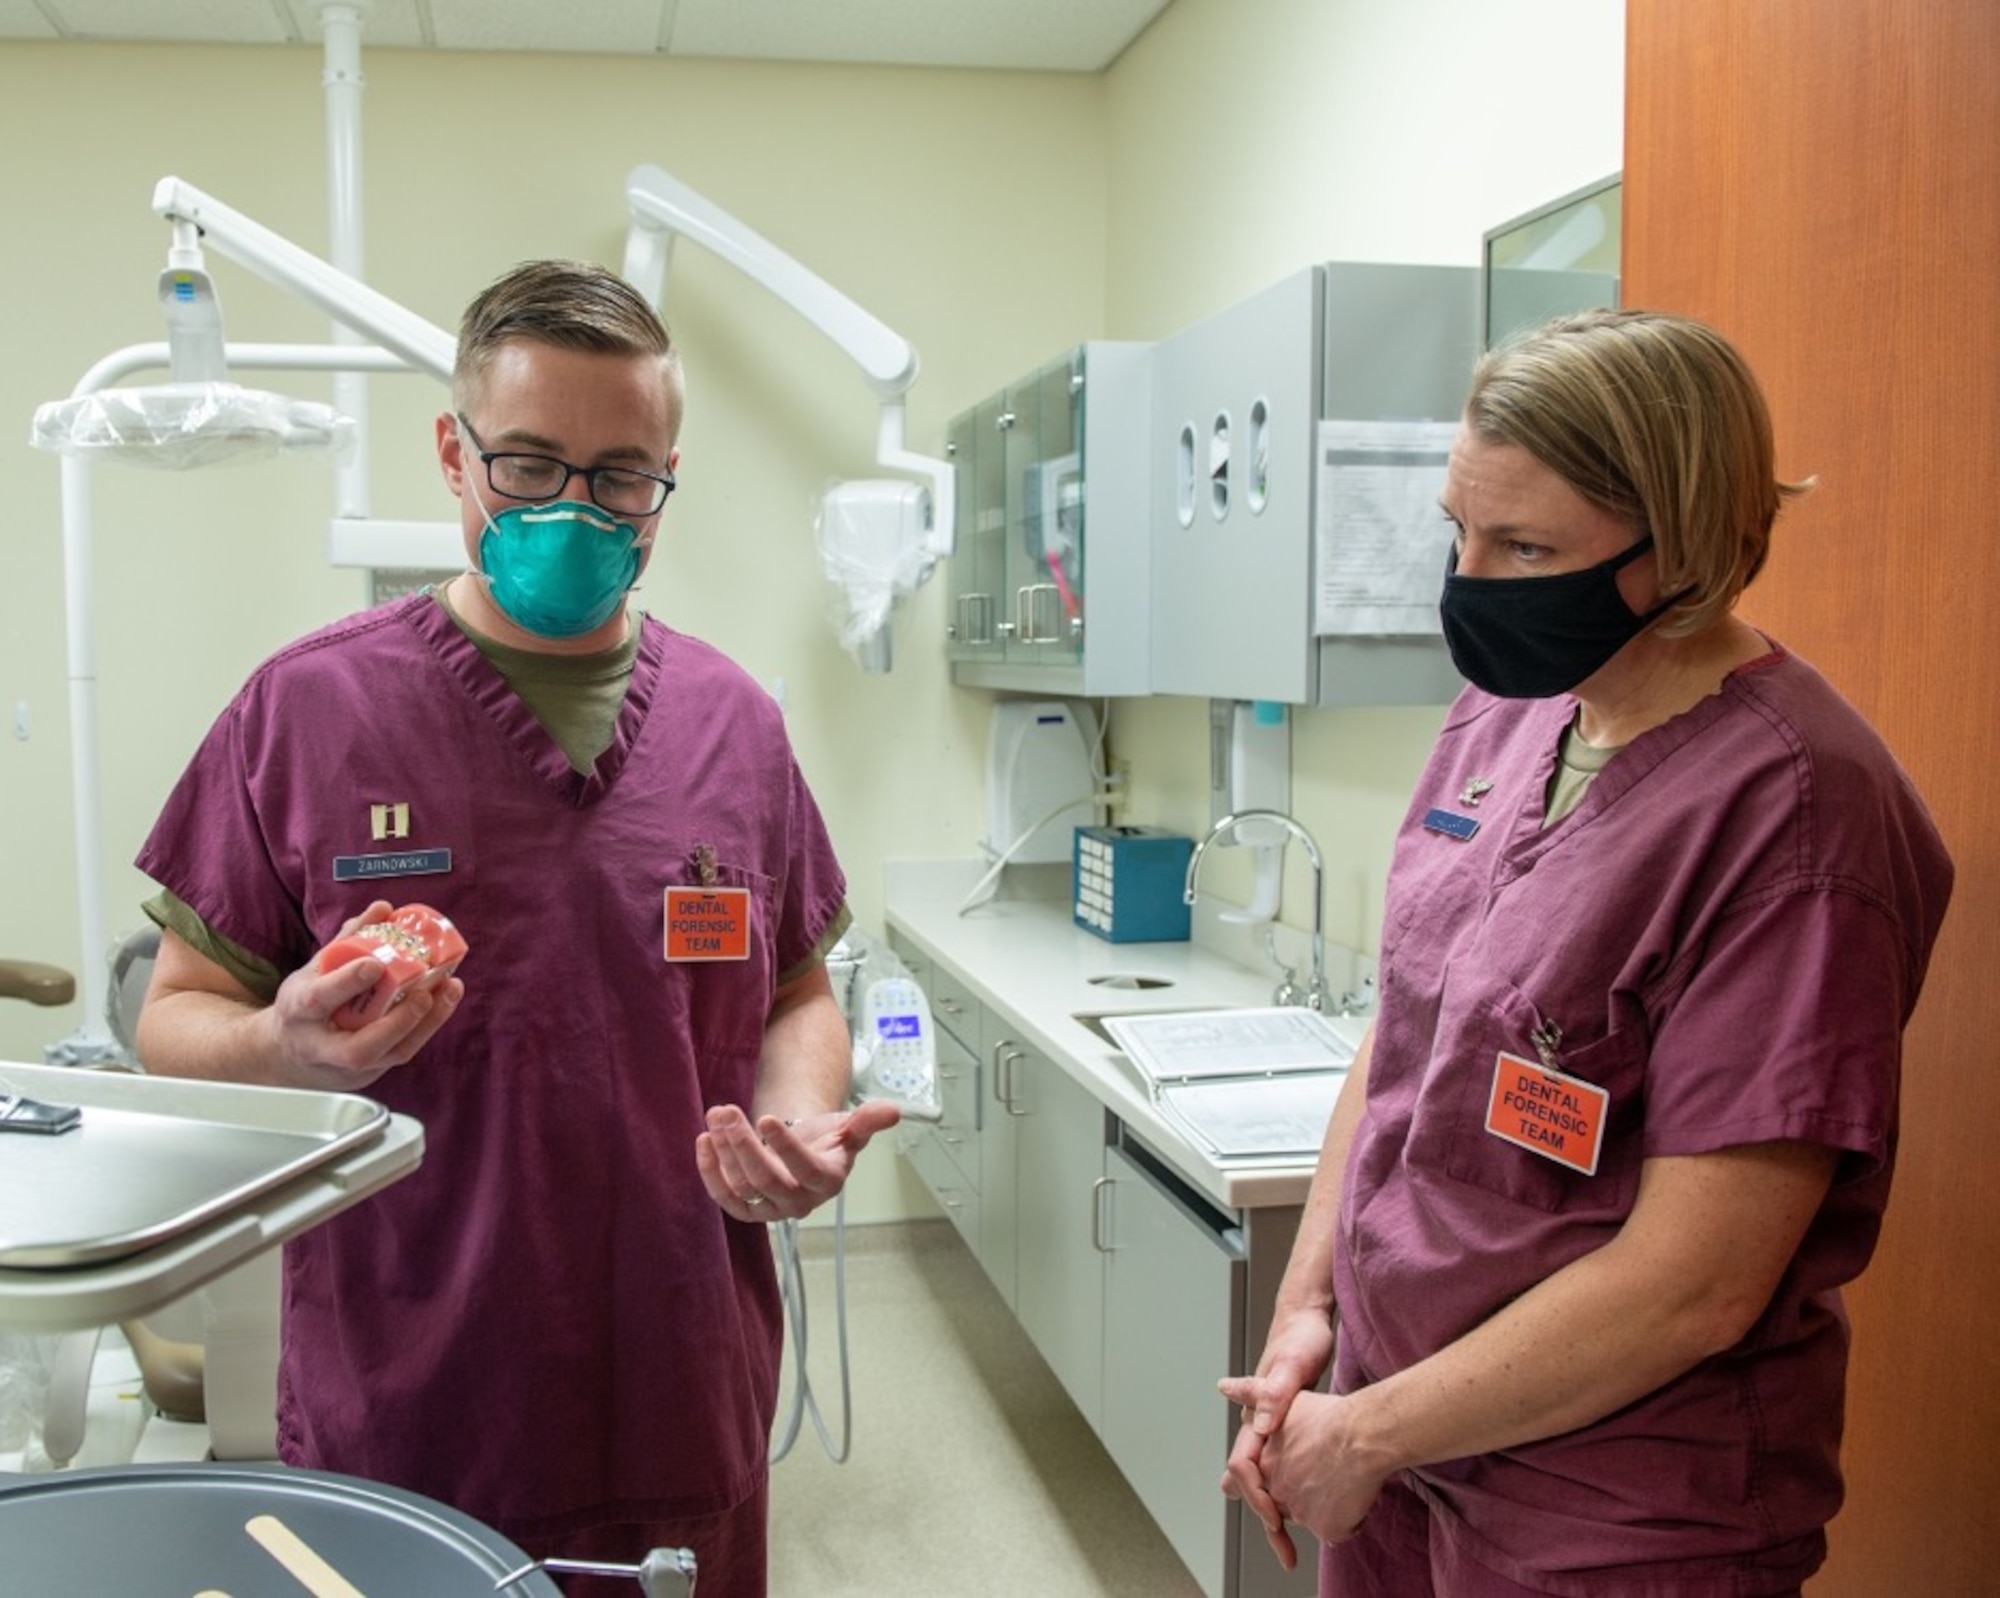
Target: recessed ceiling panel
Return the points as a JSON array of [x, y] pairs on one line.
[[182, 22], [610, 27], [1045, 35], [392, 24], [22, 19], [1033, 35]]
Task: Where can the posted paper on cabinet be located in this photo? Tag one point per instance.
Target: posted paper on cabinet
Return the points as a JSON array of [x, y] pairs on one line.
[[1379, 539]]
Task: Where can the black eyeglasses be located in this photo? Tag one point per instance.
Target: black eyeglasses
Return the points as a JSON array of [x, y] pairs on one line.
[[622, 489]]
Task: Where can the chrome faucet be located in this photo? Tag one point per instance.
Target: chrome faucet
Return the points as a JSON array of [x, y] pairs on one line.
[[1315, 995]]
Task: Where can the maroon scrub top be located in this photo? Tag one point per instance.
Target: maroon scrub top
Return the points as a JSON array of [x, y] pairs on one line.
[[550, 1323]]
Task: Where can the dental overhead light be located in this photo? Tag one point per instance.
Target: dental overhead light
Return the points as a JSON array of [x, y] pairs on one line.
[[199, 417], [184, 425], [878, 538]]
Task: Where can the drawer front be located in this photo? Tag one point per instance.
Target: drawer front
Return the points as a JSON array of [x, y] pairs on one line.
[[958, 1094], [915, 961], [957, 1011], [955, 1196]]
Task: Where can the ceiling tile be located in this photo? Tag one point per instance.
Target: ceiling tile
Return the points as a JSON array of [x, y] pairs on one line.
[[621, 27], [184, 21], [1049, 35], [1039, 35], [392, 24], [22, 19]]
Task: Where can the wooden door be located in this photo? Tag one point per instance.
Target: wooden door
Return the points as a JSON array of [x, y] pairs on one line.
[[1821, 180]]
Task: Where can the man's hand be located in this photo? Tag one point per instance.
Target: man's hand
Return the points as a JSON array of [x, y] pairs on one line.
[[778, 1169], [200, 1021]]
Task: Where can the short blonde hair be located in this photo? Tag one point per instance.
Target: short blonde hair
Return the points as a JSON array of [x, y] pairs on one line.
[[1658, 420], [575, 305]]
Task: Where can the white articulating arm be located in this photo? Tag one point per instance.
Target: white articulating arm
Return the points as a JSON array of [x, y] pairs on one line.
[[663, 208], [277, 260], [662, 205]]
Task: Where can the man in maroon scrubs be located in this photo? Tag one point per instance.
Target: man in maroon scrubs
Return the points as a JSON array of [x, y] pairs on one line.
[[566, 1322]]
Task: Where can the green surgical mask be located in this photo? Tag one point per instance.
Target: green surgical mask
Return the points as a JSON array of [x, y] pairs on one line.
[[558, 570]]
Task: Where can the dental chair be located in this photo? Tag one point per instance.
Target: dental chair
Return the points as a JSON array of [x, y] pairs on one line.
[[209, 1359], [45, 985]]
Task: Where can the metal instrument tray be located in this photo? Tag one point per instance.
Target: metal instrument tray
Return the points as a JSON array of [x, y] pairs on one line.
[[155, 1157], [344, 1150], [208, 1529]]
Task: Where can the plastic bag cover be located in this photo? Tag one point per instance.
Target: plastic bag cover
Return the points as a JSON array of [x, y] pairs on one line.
[[182, 425], [871, 546]]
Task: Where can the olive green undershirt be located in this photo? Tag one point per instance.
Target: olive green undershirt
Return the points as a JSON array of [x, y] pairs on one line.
[[1577, 763], [576, 698]]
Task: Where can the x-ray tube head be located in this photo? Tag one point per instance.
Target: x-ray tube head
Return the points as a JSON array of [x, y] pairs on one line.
[[874, 550]]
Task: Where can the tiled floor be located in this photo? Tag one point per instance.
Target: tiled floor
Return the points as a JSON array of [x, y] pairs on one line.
[[969, 1472]]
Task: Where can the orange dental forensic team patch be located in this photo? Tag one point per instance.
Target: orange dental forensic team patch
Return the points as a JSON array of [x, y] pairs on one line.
[[1559, 1117], [708, 923]]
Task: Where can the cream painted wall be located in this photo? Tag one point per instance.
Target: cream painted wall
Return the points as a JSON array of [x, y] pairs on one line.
[[1249, 138], [990, 218], [932, 198]]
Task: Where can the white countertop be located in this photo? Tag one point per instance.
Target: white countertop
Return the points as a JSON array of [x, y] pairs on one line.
[[1023, 955]]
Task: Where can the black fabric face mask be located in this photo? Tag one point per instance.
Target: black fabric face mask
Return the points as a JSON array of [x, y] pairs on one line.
[[1535, 637]]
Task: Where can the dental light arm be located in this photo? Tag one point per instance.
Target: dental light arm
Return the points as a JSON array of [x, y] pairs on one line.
[[201, 417], [663, 207], [877, 540], [277, 260]]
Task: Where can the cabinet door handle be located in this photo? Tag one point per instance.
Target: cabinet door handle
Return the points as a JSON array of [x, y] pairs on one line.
[[1038, 614], [1004, 1056], [1097, 1226], [975, 618]]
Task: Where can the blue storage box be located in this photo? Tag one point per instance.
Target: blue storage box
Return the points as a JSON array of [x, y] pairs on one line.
[[1128, 882]]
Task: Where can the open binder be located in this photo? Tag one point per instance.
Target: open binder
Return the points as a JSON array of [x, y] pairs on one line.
[[1244, 1085]]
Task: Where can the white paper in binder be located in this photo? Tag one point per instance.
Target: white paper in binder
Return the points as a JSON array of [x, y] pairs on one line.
[[1244, 1085]]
